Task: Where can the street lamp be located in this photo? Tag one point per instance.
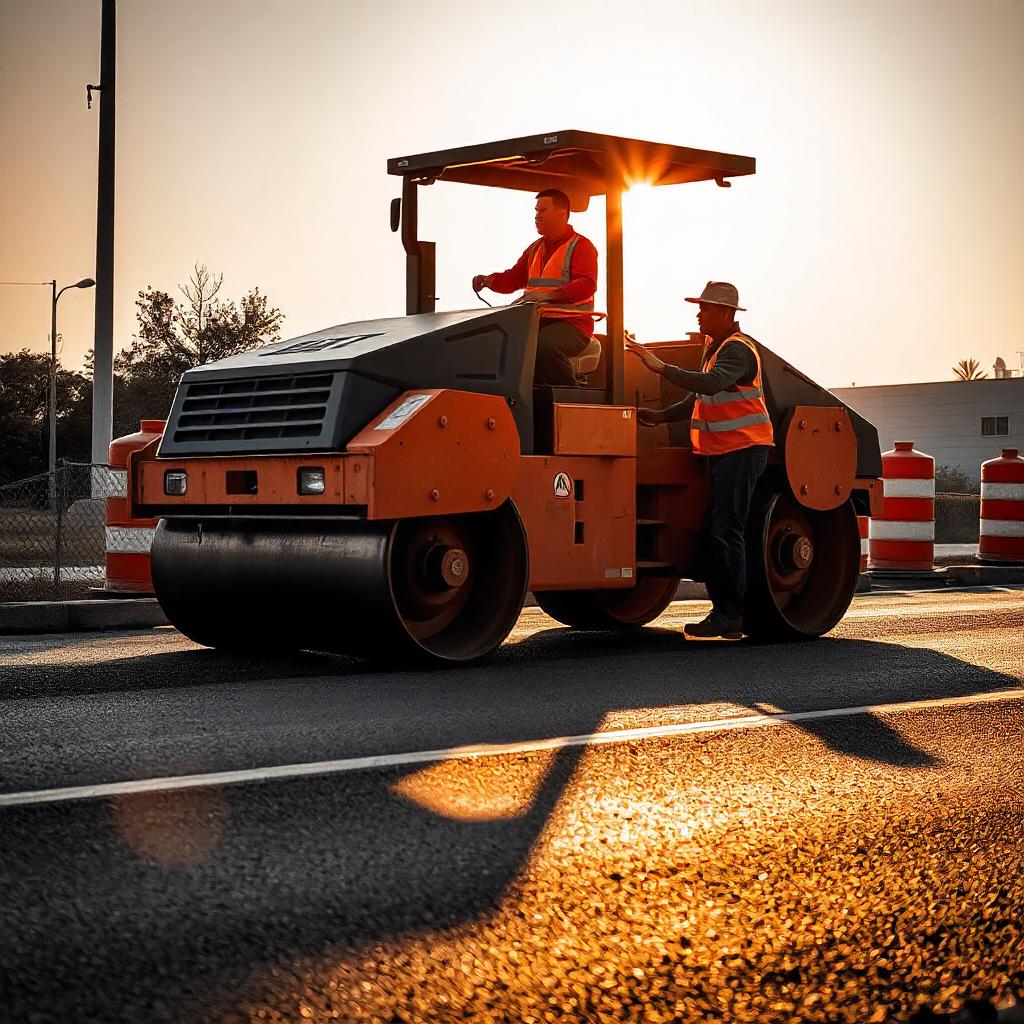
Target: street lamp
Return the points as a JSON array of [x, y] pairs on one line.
[[86, 282]]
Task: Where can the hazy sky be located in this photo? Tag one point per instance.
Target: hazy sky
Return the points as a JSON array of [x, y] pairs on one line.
[[881, 240]]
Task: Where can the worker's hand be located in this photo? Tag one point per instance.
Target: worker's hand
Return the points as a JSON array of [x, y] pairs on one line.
[[650, 417], [649, 359], [481, 281], [536, 295]]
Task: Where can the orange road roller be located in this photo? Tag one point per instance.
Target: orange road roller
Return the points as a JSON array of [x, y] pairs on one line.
[[395, 487]]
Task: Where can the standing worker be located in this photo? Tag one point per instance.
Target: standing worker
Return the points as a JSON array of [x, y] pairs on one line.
[[559, 272], [729, 424]]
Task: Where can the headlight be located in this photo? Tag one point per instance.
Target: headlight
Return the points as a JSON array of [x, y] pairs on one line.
[[311, 481], [175, 482]]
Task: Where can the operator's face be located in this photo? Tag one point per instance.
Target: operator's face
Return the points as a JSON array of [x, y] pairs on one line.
[[713, 320], [550, 220]]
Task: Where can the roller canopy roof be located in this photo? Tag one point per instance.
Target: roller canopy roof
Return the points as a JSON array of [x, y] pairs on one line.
[[579, 163]]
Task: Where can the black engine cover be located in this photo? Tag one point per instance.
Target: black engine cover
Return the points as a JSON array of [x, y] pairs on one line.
[[317, 391]]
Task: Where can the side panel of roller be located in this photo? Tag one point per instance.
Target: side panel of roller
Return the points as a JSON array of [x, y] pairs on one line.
[[439, 452]]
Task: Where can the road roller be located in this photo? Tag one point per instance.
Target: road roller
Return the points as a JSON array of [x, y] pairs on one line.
[[394, 488]]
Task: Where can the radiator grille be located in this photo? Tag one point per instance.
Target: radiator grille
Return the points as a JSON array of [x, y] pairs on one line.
[[254, 408]]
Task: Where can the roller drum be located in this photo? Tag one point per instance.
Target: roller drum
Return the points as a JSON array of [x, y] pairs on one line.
[[444, 589], [262, 586]]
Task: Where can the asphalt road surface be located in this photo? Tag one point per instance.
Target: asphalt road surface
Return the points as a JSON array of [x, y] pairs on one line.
[[590, 827]]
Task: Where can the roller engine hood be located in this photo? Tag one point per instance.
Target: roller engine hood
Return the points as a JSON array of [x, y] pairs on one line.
[[317, 391]]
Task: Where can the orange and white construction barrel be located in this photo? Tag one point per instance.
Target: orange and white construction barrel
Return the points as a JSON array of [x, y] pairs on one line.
[[1001, 533], [128, 540], [903, 536], [863, 523]]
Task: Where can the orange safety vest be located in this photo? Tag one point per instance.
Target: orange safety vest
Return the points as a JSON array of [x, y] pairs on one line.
[[734, 418], [554, 273]]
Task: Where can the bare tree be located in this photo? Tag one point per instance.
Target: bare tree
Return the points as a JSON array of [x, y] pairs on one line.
[[969, 369], [175, 335]]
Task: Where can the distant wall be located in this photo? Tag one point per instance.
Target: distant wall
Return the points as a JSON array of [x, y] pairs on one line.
[[943, 419]]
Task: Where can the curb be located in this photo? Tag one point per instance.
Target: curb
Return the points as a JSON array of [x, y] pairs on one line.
[[954, 575], [80, 616]]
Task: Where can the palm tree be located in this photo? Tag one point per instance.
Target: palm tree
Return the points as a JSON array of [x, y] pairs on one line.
[[969, 369]]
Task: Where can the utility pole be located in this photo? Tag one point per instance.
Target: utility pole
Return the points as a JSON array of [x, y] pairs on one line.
[[52, 410], [103, 346]]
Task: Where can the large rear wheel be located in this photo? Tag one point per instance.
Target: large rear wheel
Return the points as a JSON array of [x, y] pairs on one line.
[[802, 567], [610, 609]]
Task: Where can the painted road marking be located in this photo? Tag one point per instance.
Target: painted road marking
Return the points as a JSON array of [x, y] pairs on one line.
[[352, 764]]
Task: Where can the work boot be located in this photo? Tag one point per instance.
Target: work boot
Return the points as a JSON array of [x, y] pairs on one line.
[[716, 624]]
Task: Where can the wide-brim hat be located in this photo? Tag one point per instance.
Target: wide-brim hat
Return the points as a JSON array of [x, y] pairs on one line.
[[720, 293]]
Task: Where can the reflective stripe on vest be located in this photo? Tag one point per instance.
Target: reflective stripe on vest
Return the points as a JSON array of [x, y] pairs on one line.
[[741, 421], [541, 274], [727, 397], [734, 418]]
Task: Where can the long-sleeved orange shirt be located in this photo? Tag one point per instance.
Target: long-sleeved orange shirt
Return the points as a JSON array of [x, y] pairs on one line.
[[582, 276]]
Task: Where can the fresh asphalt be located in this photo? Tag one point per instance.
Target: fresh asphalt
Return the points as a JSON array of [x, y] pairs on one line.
[[823, 831]]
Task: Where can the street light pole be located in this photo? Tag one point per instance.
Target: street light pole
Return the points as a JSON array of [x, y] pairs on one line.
[[86, 282]]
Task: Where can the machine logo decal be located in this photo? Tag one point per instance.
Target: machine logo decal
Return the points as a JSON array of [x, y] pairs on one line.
[[563, 486], [398, 416]]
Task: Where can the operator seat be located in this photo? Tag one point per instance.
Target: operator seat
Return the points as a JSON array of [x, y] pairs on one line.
[[589, 359]]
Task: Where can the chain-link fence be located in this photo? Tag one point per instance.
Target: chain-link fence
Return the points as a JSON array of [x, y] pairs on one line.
[[52, 532]]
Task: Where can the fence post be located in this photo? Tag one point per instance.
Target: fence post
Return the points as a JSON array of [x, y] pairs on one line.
[[58, 491]]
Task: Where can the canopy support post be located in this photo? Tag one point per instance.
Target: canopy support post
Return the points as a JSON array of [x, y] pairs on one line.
[[419, 256], [615, 382]]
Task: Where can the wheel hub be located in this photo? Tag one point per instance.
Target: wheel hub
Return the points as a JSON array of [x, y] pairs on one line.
[[795, 552], [445, 567]]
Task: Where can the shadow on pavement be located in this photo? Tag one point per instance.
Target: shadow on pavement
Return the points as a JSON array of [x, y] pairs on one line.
[[149, 903]]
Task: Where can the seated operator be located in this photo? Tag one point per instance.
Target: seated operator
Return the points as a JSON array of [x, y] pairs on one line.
[[729, 423], [559, 273]]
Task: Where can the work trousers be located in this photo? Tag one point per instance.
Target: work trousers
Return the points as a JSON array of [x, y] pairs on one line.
[[557, 343], [733, 479]]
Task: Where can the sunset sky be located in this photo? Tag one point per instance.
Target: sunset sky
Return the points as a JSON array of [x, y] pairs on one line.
[[881, 240]]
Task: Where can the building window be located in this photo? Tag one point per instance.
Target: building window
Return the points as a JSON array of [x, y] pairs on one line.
[[995, 426]]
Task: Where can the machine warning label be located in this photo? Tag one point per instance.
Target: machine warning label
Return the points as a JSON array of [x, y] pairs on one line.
[[398, 416], [563, 485]]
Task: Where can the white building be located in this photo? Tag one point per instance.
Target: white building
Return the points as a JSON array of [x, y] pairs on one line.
[[959, 423]]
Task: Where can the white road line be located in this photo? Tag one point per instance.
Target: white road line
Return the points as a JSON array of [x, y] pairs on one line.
[[352, 764]]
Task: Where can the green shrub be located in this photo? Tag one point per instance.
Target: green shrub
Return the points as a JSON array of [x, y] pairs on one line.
[[953, 480]]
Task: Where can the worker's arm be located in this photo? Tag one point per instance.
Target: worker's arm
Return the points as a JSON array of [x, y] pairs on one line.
[[734, 362], [671, 414], [510, 280]]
